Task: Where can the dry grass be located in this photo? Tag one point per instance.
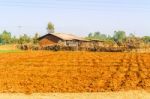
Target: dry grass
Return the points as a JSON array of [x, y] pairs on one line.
[[8, 47], [106, 95]]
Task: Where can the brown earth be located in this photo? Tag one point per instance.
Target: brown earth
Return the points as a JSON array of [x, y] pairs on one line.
[[45, 72]]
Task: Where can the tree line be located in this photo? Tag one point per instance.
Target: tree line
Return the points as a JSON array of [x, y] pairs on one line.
[[119, 37], [7, 38]]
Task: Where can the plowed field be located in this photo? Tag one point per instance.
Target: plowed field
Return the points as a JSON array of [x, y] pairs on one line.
[[43, 72]]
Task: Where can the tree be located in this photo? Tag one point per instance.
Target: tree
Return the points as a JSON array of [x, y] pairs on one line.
[[14, 40], [103, 37], [131, 35], [24, 39], [90, 35], [119, 36], [50, 27], [5, 37], [146, 39], [1, 41], [35, 38], [109, 37], [97, 36]]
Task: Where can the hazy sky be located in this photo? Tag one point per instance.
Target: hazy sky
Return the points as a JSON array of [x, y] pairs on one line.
[[75, 16]]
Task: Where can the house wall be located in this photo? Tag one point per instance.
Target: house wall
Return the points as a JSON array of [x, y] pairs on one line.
[[72, 43], [49, 40], [46, 42]]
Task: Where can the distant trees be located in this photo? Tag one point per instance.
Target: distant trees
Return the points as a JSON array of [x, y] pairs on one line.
[[50, 27], [121, 39], [131, 35], [146, 39], [24, 39], [35, 38], [14, 40], [96, 36], [5, 37], [119, 36]]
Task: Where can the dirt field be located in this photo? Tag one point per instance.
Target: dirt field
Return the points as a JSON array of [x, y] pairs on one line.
[[45, 72]]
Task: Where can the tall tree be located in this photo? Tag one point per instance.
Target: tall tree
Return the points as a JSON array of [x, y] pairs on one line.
[[50, 27]]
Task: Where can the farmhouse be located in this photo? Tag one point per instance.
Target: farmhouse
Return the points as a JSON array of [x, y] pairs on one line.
[[59, 38], [69, 40]]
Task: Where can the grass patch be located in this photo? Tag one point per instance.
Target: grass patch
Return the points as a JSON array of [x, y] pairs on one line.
[[10, 51]]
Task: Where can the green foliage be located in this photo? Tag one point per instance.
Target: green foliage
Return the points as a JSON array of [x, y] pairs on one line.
[[131, 35], [1, 40], [14, 40], [10, 51], [50, 27], [35, 38], [96, 36], [146, 39], [5, 37], [119, 36], [90, 35], [24, 39]]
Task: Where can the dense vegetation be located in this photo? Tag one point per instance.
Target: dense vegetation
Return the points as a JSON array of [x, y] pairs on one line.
[[119, 38], [7, 38]]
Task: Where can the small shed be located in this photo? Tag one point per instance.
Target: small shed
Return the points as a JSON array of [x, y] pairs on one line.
[[59, 38]]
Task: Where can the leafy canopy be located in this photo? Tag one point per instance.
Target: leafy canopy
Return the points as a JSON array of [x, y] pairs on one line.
[[50, 27]]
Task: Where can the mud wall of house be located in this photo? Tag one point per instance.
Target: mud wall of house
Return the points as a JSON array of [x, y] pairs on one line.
[[49, 40], [72, 43]]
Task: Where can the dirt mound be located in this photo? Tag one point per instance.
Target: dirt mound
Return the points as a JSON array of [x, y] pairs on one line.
[[44, 71]]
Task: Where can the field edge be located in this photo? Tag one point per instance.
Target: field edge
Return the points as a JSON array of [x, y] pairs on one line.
[[99, 95]]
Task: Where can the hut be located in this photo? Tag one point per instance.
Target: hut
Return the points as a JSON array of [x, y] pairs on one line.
[[59, 39]]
